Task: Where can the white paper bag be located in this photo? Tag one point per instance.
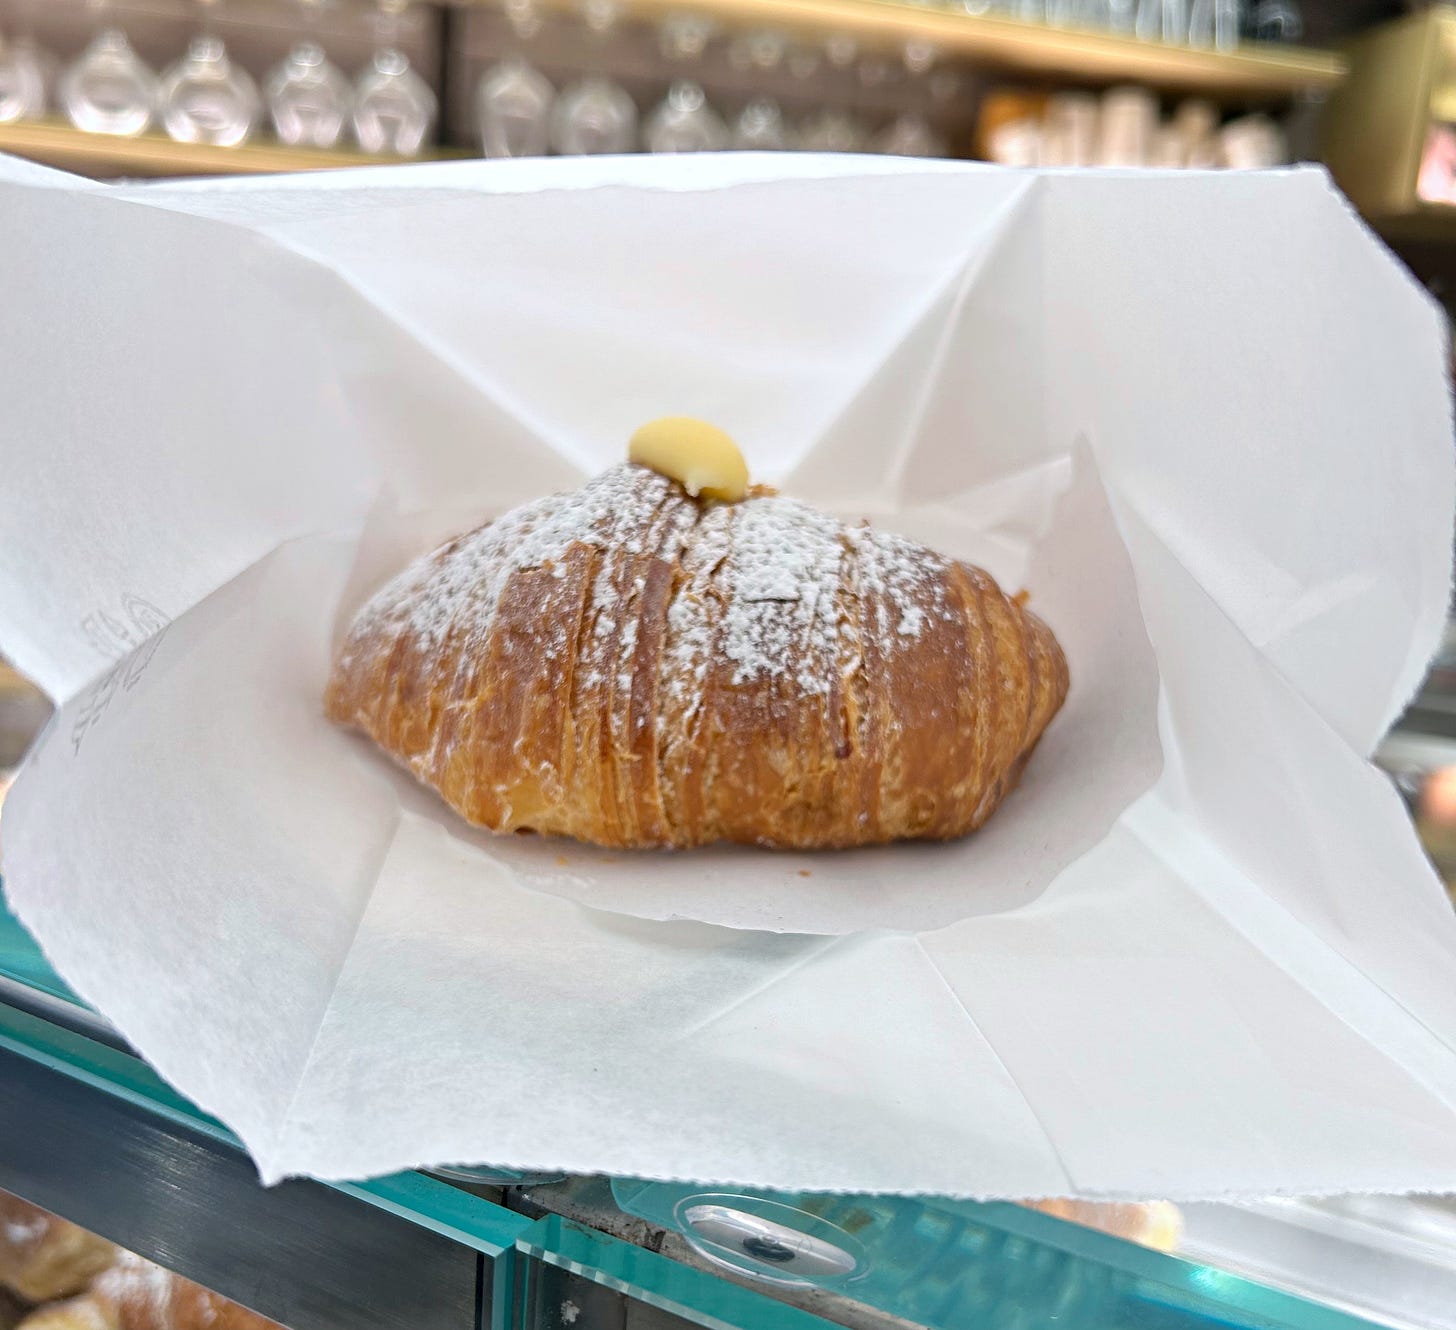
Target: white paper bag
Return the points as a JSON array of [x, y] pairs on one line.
[[1202, 417]]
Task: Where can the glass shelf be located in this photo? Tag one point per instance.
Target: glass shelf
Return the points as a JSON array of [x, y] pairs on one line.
[[945, 1263]]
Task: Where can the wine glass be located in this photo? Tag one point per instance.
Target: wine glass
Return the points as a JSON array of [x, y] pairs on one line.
[[394, 108], [308, 95], [919, 57], [108, 88], [841, 50], [1215, 23], [683, 38], [1162, 20], [1121, 15], [205, 98], [595, 114], [763, 119], [760, 127], [25, 74], [684, 122], [803, 60], [876, 69], [1277, 21], [909, 135], [912, 134], [759, 51], [1096, 14], [831, 130], [513, 99], [513, 109]]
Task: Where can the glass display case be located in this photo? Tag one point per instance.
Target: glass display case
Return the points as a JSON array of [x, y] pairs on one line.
[[90, 1133]]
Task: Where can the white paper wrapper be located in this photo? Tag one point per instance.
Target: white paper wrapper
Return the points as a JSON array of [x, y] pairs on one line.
[[1202, 417]]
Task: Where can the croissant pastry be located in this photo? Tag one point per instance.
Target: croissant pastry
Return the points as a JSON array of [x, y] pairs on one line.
[[629, 666], [44, 1257], [1155, 1224], [135, 1294], [12, 1308]]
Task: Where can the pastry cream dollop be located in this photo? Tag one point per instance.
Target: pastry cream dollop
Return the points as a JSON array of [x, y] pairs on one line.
[[700, 457]]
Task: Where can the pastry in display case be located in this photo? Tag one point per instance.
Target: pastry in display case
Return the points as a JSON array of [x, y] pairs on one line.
[[44, 1258], [57, 1276], [23, 711], [1420, 756]]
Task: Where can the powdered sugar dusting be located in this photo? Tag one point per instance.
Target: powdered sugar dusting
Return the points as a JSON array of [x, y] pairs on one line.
[[781, 582], [909, 576], [459, 586], [138, 1279], [689, 615], [608, 658], [760, 583], [777, 568], [21, 1232]]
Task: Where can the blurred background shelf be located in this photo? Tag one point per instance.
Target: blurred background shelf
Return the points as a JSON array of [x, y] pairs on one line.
[[360, 78], [995, 43], [57, 144]]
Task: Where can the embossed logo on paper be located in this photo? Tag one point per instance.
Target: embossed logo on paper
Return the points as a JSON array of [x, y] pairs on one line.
[[130, 637]]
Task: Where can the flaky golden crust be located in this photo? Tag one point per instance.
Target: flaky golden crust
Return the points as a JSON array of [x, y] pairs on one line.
[[44, 1257], [625, 667], [134, 1294]]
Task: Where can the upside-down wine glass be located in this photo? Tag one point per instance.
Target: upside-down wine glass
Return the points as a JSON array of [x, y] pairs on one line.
[[513, 99], [394, 108], [684, 121], [309, 97], [108, 88], [27, 71], [205, 97], [595, 114]]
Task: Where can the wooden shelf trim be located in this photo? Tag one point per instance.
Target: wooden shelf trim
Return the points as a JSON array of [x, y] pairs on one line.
[[58, 144]]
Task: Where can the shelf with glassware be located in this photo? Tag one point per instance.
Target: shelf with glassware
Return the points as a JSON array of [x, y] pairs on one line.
[[260, 85], [714, 86], [1218, 48], [55, 143], [192, 86], [529, 81]]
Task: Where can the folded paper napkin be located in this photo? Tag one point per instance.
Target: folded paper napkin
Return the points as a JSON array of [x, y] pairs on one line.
[[1202, 417]]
